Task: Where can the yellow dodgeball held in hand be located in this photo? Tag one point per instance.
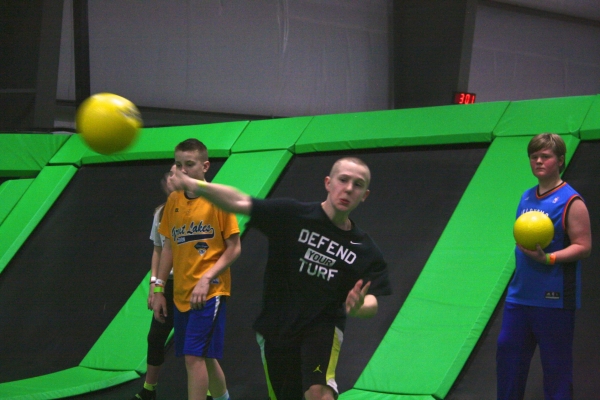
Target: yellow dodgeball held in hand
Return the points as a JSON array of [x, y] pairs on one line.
[[108, 123], [533, 227]]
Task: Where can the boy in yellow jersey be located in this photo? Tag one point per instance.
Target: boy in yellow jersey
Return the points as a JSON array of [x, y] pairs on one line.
[[202, 242]]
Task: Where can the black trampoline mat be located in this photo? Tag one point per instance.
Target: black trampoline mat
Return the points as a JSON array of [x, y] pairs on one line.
[[414, 191], [79, 267]]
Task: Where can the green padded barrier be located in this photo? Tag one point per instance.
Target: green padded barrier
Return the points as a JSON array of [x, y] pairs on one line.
[[590, 129], [31, 208], [71, 152], [452, 300], [70, 382], [355, 394], [156, 144], [10, 194], [24, 155], [563, 115], [470, 123], [253, 173], [274, 134], [122, 346]]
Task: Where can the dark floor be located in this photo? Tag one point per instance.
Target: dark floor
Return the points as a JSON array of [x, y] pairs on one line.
[[413, 194]]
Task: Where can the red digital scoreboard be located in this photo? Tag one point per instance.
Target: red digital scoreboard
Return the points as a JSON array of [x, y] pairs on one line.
[[464, 98]]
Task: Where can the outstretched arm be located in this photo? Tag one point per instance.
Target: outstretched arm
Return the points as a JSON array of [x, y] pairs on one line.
[[225, 197]]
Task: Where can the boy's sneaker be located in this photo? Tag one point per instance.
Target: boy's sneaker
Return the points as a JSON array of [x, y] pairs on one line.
[[145, 394]]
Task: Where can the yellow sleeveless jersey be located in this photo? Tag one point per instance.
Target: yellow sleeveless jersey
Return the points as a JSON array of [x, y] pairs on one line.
[[197, 230]]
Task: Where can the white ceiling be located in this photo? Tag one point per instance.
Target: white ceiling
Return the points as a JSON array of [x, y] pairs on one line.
[[588, 9]]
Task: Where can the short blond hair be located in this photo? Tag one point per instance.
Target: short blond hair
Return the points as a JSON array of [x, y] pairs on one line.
[[354, 160]]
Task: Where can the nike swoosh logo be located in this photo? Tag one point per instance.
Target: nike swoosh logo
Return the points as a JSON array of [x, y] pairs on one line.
[[351, 242]]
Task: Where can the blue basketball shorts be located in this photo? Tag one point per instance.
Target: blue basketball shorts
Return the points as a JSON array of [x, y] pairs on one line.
[[523, 329], [201, 333]]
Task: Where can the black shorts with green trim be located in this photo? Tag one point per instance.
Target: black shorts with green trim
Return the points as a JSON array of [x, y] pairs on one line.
[[291, 368]]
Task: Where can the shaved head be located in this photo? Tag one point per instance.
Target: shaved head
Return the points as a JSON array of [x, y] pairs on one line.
[[355, 160]]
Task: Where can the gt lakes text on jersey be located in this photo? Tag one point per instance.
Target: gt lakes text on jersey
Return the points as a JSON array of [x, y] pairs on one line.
[[316, 263], [197, 231]]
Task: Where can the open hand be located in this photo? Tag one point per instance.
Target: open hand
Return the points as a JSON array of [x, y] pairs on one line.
[[356, 297]]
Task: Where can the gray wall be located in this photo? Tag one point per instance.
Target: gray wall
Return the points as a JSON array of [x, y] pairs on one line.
[[272, 58], [308, 57], [525, 55]]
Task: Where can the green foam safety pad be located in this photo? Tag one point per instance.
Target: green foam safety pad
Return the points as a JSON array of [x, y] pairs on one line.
[[274, 134], [590, 129], [70, 382], [10, 194], [456, 293], [355, 394], [123, 346], [472, 123], [24, 155], [31, 208], [253, 173], [407, 357], [156, 144], [562, 115]]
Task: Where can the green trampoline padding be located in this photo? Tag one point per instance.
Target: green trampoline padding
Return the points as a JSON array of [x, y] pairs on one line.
[[253, 173], [31, 208], [274, 134], [10, 193], [451, 302], [562, 115], [355, 394], [122, 346], [24, 155], [70, 382], [471, 123], [590, 129], [156, 144]]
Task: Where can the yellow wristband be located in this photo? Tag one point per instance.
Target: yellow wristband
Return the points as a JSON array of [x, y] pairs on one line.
[[159, 289], [201, 183]]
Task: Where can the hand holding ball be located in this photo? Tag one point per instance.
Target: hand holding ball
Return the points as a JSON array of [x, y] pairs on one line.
[[108, 123], [533, 227]]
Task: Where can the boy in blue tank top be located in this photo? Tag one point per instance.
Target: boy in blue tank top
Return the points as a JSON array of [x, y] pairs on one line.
[[545, 289]]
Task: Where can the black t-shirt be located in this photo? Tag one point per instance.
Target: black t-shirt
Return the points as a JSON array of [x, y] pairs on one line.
[[312, 266]]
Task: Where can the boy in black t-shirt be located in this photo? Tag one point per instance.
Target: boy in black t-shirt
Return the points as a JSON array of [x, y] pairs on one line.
[[321, 268]]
